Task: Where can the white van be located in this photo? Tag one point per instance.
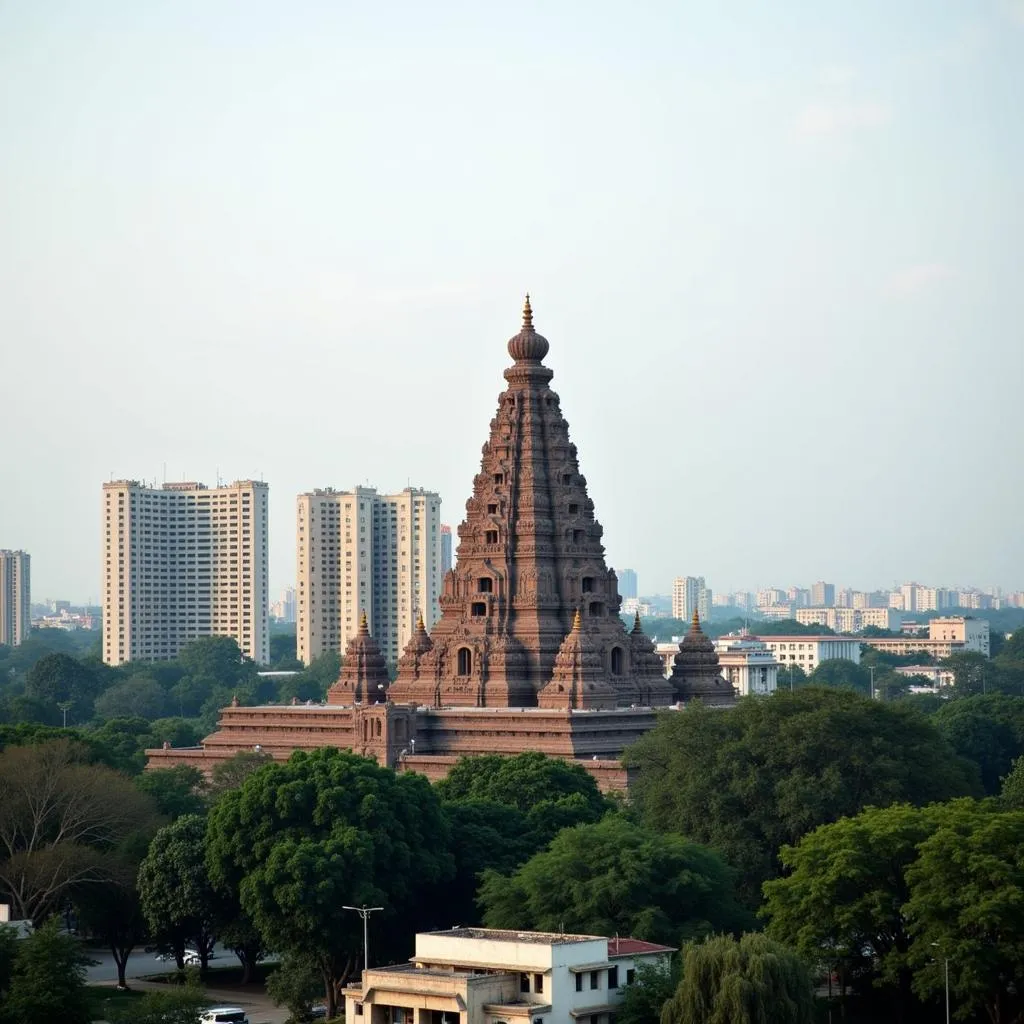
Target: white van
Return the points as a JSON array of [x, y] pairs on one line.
[[224, 1015]]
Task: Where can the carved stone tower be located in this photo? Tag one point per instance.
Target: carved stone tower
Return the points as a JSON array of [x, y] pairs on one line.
[[529, 555], [695, 669], [364, 672]]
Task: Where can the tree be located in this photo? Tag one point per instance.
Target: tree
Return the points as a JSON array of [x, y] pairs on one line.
[[965, 908], [972, 673], [301, 839], [175, 791], [296, 984], [139, 696], [57, 679], [841, 901], [59, 818], [1012, 793], [183, 1004], [750, 779], [842, 672], [48, 980], [112, 913], [752, 980], [986, 729], [180, 903], [8, 952], [652, 988], [615, 878], [551, 792], [230, 774], [218, 658]]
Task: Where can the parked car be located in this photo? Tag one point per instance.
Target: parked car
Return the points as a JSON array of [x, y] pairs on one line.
[[224, 1015]]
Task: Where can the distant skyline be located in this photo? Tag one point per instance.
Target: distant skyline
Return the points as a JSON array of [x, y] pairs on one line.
[[776, 256]]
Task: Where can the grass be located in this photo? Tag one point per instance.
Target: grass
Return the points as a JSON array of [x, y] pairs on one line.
[[103, 1000]]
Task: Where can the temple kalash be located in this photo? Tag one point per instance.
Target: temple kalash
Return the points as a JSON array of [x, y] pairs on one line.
[[529, 652]]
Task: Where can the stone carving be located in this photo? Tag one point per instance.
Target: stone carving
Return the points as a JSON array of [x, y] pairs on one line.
[[695, 670]]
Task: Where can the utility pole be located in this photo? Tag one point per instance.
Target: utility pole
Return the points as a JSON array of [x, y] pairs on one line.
[[364, 913], [64, 706], [871, 669]]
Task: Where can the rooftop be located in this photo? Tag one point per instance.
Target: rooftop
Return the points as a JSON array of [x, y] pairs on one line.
[[503, 935], [632, 947]]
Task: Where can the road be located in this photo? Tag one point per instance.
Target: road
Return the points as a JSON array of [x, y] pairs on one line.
[[256, 1004]]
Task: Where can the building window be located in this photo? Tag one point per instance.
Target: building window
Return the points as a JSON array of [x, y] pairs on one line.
[[613, 977], [538, 983], [579, 982], [498, 478], [595, 979], [573, 508], [492, 510], [587, 584], [491, 537], [596, 608], [359, 1009], [478, 609], [630, 976], [465, 665], [485, 585], [524, 979], [577, 536], [617, 661]]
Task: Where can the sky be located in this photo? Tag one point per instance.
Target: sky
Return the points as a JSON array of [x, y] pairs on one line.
[[776, 248]]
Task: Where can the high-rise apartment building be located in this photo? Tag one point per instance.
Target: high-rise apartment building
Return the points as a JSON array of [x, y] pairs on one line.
[[180, 562], [360, 551], [15, 598], [823, 595], [627, 584], [689, 592], [446, 548]]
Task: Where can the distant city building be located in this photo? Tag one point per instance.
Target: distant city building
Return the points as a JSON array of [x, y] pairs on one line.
[[627, 584], [631, 605], [689, 593], [446, 548], [849, 620], [15, 597], [946, 636], [823, 595], [938, 678], [808, 652], [775, 612], [770, 596], [748, 664], [798, 597], [182, 562], [283, 609], [360, 551]]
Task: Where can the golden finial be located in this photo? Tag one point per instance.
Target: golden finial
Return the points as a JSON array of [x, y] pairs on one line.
[[577, 622], [695, 621], [527, 314], [420, 627], [364, 626]]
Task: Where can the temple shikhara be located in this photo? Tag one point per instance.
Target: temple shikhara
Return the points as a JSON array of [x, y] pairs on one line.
[[529, 652]]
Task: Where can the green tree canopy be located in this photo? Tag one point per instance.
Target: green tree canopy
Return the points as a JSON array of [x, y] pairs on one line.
[[175, 791], [987, 729], [230, 774], [1012, 793], [139, 696], [303, 838], [967, 906], [48, 980], [750, 779], [842, 672], [60, 817], [616, 878], [551, 792], [752, 980], [180, 903], [59, 678]]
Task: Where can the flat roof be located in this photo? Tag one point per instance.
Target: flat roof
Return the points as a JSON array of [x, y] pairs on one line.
[[507, 935]]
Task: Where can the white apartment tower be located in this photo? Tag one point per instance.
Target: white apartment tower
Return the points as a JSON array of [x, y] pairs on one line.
[[360, 551], [180, 562], [15, 585], [689, 592]]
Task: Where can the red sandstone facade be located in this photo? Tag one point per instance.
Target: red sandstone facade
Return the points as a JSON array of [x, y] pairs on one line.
[[529, 652]]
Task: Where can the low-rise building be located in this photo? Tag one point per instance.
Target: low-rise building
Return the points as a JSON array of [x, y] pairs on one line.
[[808, 652], [491, 976], [938, 678], [946, 636], [748, 664]]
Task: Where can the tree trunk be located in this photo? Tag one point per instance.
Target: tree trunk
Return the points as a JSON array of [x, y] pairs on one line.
[[121, 955], [246, 968], [329, 998]]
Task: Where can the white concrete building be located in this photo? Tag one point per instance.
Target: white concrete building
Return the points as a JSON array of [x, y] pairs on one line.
[[363, 551], [848, 620], [938, 678], [488, 976], [808, 652], [775, 612], [15, 597], [748, 664], [689, 592], [181, 562]]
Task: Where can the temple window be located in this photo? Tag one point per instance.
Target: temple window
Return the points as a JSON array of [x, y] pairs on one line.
[[491, 537], [499, 478], [479, 609], [577, 536], [588, 584], [596, 608], [465, 661], [492, 510], [485, 585], [616, 665], [567, 478], [573, 508]]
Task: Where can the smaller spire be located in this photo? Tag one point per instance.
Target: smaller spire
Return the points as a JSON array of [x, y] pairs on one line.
[[364, 626], [527, 314], [577, 622], [695, 622], [420, 627], [637, 628]]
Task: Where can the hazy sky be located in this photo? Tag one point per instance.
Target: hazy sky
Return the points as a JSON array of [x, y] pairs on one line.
[[778, 249]]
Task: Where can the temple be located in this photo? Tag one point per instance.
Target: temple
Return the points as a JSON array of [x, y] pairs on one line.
[[529, 653]]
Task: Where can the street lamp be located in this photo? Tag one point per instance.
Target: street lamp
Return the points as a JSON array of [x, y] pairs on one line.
[[65, 706], [364, 913], [871, 669]]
